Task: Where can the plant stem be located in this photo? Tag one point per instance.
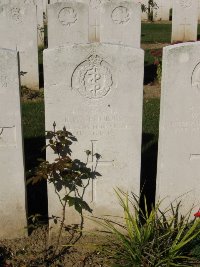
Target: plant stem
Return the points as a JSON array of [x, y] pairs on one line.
[[61, 228]]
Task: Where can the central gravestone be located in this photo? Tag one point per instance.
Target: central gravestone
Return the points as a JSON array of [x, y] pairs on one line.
[[90, 92]]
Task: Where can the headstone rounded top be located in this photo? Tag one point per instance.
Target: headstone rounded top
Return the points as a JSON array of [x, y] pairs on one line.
[[93, 78], [67, 16]]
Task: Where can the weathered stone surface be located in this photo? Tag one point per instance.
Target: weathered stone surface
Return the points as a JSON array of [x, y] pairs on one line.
[[94, 17], [40, 24], [178, 169], [198, 9], [67, 23], [163, 10], [18, 31], [96, 92], [12, 189], [184, 20], [120, 23]]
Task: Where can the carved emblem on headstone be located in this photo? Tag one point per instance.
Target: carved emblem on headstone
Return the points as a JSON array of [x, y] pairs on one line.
[[95, 3], [67, 16], [185, 3], [196, 77], [93, 78], [120, 15], [16, 14]]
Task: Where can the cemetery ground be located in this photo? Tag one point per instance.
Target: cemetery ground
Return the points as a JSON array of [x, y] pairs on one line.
[[87, 251]]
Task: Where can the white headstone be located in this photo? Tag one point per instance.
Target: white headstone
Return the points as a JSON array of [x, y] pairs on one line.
[[120, 23], [67, 23], [198, 9], [178, 170], [96, 92], [94, 17], [12, 189], [18, 31], [40, 24], [184, 20], [163, 10]]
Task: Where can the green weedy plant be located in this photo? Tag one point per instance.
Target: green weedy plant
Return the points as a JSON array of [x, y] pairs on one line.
[[157, 54], [150, 239], [67, 175]]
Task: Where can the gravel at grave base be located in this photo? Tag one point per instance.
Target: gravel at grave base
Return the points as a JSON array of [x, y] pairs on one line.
[[31, 251]]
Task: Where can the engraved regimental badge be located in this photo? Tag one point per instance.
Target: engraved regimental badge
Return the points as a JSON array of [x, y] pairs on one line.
[[67, 16], [16, 14], [93, 78], [120, 15]]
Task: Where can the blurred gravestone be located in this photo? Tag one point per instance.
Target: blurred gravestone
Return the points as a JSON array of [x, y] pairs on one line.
[[40, 24], [93, 20], [120, 23], [184, 20], [67, 23], [12, 189], [163, 10], [18, 31]]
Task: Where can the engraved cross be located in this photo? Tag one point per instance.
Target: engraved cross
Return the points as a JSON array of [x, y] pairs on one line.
[[2, 129], [194, 157], [185, 25], [95, 162]]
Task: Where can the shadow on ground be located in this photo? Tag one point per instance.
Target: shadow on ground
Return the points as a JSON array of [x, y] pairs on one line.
[[148, 169], [36, 194], [150, 73]]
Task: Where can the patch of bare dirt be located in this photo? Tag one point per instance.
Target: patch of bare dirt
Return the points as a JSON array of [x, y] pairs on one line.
[[36, 251], [152, 90], [154, 46]]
